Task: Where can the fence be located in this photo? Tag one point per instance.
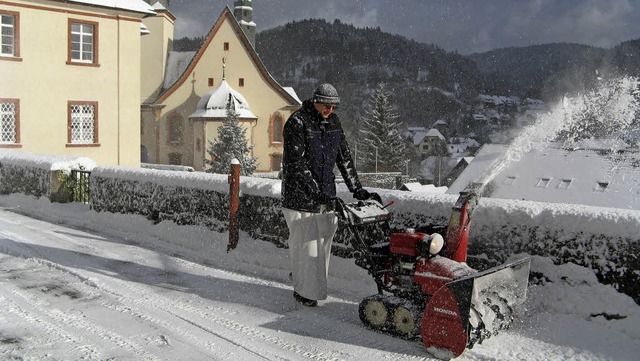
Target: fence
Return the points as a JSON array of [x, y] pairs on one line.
[[81, 181]]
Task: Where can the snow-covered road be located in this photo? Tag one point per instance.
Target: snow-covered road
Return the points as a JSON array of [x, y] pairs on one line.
[[68, 293]]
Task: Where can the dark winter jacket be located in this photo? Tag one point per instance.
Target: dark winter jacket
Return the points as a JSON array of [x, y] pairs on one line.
[[312, 147]]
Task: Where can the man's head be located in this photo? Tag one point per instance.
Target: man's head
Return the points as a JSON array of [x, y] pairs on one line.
[[325, 99]]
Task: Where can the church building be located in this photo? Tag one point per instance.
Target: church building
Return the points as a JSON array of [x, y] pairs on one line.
[[185, 94]]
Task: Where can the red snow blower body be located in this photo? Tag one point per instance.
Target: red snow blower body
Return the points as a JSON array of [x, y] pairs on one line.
[[425, 287]]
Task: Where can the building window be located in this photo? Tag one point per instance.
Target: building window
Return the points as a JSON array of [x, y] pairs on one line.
[[83, 42], [175, 129], [83, 123], [241, 82], [564, 184], [175, 159], [601, 186], [10, 30], [9, 121], [277, 123], [226, 46], [509, 180], [276, 162], [543, 182]]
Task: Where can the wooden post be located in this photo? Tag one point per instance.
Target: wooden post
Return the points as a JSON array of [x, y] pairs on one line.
[[234, 203]]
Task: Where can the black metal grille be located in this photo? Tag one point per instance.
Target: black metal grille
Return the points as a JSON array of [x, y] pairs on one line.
[[81, 181]]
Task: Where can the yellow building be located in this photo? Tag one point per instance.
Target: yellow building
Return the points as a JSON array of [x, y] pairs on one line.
[[185, 94], [70, 78]]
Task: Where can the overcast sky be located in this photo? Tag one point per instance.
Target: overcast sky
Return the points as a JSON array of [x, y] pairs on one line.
[[464, 25]]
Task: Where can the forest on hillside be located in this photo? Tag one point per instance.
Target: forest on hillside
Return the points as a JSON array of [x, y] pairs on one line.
[[426, 83]]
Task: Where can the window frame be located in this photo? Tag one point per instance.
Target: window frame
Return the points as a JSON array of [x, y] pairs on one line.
[[509, 180], [273, 132], [16, 36], [565, 183], [543, 182], [601, 186], [16, 116], [70, 105], [174, 158], [96, 37], [273, 162], [178, 127]]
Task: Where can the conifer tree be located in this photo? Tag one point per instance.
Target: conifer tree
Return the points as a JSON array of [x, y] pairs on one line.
[[231, 143], [381, 130]]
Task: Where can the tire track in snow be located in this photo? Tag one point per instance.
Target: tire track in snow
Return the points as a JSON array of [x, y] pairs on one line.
[[38, 316], [133, 301], [197, 318], [57, 322]]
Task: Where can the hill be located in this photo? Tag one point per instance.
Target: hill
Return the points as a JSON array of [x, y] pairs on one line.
[[302, 54], [548, 71], [426, 82]]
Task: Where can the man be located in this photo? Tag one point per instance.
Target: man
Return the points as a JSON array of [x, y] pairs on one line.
[[314, 143]]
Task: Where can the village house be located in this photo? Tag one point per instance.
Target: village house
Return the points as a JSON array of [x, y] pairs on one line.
[[428, 142], [70, 75], [591, 175]]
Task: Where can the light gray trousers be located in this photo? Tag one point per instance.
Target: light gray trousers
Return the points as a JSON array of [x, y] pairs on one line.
[[310, 239]]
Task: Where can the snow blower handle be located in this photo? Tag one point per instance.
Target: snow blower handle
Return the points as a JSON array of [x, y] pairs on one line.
[[388, 204]]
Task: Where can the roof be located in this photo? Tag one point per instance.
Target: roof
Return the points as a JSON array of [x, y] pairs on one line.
[[138, 6], [420, 188], [293, 93], [214, 103], [182, 71], [593, 177], [419, 136], [177, 62]]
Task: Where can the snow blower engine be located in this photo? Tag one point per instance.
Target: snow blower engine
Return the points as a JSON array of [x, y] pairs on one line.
[[425, 287]]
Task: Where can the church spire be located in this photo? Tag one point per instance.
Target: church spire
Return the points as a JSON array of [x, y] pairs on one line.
[[243, 12]]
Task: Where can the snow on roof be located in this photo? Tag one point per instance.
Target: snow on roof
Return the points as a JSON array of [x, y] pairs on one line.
[[293, 93], [158, 6], [138, 6], [177, 63], [420, 188], [144, 29], [419, 136], [214, 103], [435, 133], [247, 23], [557, 175]]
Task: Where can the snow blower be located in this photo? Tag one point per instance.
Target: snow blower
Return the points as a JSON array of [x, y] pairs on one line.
[[425, 287]]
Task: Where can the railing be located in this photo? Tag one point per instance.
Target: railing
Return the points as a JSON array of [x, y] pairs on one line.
[[81, 181]]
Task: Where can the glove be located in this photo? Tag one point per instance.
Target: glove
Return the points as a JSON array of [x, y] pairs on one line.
[[361, 194]]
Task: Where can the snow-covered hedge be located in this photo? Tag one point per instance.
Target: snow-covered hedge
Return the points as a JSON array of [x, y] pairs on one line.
[[35, 174], [604, 239]]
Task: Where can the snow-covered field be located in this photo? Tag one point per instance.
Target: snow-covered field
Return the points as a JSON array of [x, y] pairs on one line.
[[76, 284]]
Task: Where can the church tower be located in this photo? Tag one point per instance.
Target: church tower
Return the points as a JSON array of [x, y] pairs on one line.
[[243, 12]]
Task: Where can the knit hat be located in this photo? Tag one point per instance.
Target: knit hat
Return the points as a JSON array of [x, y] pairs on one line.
[[326, 94]]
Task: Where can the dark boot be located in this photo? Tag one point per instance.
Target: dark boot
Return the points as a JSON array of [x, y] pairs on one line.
[[305, 301]]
